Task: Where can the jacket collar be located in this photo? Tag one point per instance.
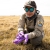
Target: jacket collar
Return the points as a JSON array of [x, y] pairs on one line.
[[33, 17]]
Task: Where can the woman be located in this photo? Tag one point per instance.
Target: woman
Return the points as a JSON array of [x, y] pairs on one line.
[[34, 26]]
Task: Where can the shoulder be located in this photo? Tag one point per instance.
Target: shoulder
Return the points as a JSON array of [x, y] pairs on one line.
[[23, 16], [40, 19]]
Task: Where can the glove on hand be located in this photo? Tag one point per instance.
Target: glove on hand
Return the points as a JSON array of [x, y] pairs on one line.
[[26, 38], [19, 38]]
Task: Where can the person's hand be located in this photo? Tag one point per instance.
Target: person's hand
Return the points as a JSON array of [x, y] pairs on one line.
[[19, 38], [21, 33], [25, 39]]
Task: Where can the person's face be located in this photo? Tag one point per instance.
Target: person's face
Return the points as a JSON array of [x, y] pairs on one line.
[[30, 11]]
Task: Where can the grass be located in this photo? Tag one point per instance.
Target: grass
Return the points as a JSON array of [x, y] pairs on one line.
[[8, 31]]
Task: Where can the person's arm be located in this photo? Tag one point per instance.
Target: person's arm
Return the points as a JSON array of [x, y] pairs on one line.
[[38, 28], [21, 23], [20, 36]]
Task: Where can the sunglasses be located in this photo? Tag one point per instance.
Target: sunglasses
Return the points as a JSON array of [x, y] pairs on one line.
[[31, 9]]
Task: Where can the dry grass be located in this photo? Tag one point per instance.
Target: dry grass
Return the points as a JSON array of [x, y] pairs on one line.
[[8, 31]]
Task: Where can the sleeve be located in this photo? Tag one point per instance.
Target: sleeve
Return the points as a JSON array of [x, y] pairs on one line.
[[21, 23], [38, 28]]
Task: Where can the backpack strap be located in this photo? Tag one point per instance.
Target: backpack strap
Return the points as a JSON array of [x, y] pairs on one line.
[[25, 20], [35, 21]]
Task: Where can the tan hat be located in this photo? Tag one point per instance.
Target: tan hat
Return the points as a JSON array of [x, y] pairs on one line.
[[31, 4]]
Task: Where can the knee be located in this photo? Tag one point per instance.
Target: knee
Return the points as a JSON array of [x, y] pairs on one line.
[[36, 41]]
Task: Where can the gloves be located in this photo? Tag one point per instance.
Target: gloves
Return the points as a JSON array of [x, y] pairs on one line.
[[21, 33], [25, 38], [19, 38]]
